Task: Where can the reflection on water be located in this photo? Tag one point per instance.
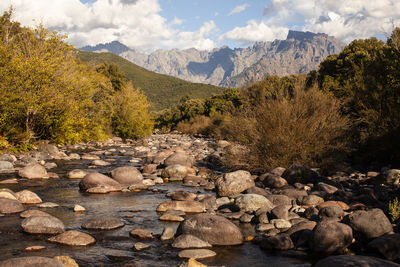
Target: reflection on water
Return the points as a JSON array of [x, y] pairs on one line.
[[114, 247]]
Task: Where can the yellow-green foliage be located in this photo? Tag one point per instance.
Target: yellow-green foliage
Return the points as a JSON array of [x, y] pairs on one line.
[[3, 143], [131, 117], [394, 209]]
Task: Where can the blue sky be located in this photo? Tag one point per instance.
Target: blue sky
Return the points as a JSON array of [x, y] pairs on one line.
[[147, 25]]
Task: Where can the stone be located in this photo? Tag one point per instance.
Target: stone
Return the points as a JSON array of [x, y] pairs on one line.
[[233, 183], [174, 171], [172, 215], [246, 218], [280, 212], [28, 197], [189, 241], [30, 262], [98, 180], [149, 168], [6, 167], [48, 205], [192, 263], [279, 200], [167, 234], [74, 156], [354, 261], [330, 237], [30, 213], [50, 165], [34, 248], [99, 162], [7, 157], [181, 195], [141, 234], [42, 225], [263, 227], [138, 246], [293, 193], [79, 208], [73, 238], [9, 181], [33, 171], [312, 200], [272, 180], [281, 224], [387, 245], [252, 202], [213, 229], [185, 206], [392, 176], [89, 157], [8, 206], [277, 242], [104, 223], [329, 189], [127, 175], [299, 173], [331, 212], [148, 182], [77, 174], [7, 193], [196, 254], [304, 225], [369, 224], [179, 158], [67, 261]]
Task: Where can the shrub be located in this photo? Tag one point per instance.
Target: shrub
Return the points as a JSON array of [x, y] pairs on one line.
[[394, 209]]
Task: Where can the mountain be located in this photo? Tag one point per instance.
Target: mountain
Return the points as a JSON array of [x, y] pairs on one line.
[[162, 90], [301, 52], [114, 47]]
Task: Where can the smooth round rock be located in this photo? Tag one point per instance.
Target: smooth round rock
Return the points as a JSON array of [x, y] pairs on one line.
[[77, 174], [181, 195], [174, 171], [73, 238], [31, 262], [196, 254], [185, 206], [31, 213], [43, 225], [6, 167], [66, 260], [10, 206], [138, 246], [103, 224], [369, 224], [98, 180], [167, 234], [252, 202], [33, 171], [127, 175], [28, 197], [189, 241], [330, 237], [141, 233], [233, 183]]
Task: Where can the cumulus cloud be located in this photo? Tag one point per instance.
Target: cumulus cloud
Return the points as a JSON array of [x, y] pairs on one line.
[[238, 9], [136, 23]]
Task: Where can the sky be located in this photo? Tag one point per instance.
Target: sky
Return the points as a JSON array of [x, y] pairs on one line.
[[148, 25]]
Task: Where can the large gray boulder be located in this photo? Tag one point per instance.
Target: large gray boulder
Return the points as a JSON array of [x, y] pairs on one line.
[[127, 175], [33, 171], [233, 183], [330, 237], [387, 245], [369, 224], [43, 225], [31, 262], [6, 167], [213, 229], [179, 158], [354, 261], [98, 180], [252, 202]]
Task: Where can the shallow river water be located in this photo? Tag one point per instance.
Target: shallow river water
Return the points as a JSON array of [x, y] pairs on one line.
[[114, 247]]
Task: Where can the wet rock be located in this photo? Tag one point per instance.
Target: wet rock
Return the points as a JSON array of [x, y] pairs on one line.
[[28, 197], [103, 223], [67, 261], [213, 229], [185, 206], [293, 193], [31, 213], [77, 174], [330, 237], [138, 246], [99, 162], [181, 195], [79, 208], [304, 225], [6, 167], [340, 204], [369, 224], [7, 193], [167, 234], [31, 261], [50, 165], [196, 254], [312, 200], [33, 171], [329, 189], [280, 212], [74, 156], [252, 202], [281, 224], [42, 225], [148, 182], [299, 173], [8, 206], [263, 227], [141, 233], [97, 180], [272, 180], [172, 215], [127, 175], [387, 245], [90, 157], [149, 168], [189, 241], [354, 261], [48, 205], [246, 218], [34, 248], [73, 238], [233, 183], [277, 242], [179, 158], [279, 200], [7, 157], [331, 212]]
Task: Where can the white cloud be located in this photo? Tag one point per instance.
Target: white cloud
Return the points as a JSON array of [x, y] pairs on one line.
[[238, 9], [136, 23]]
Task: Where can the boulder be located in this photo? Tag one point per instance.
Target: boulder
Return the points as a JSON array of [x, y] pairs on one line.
[[189, 241], [141, 233], [167, 234], [329, 189], [99, 162], [77, 174], [330, 237], [181, 195], [98, 180], [280, 212], [196, 254], [73, 238], [387, 245], [272, 180], [8, 206], [7, 157], [28, 197], [299, 173], [31, 213], [179, 158], [233, 183], [7, 193], [392, 176], [312, 200], [252, 202], [43, 225], [331, 212], [354, 261], [213, 229], [172, 215], [104, 223], [67, 261], [369, 224], [174, 171], [340, 204], [31, 262], [185, 206], [277, 242], [33, 171], [6, 167], [127, 175]]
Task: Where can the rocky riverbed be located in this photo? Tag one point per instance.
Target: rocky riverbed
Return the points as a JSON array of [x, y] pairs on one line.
[[164, 201]]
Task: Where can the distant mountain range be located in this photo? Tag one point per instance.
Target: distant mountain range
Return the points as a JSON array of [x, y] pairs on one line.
[[301, 52]]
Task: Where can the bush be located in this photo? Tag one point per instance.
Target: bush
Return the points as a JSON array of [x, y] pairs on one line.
[[394, 209]]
